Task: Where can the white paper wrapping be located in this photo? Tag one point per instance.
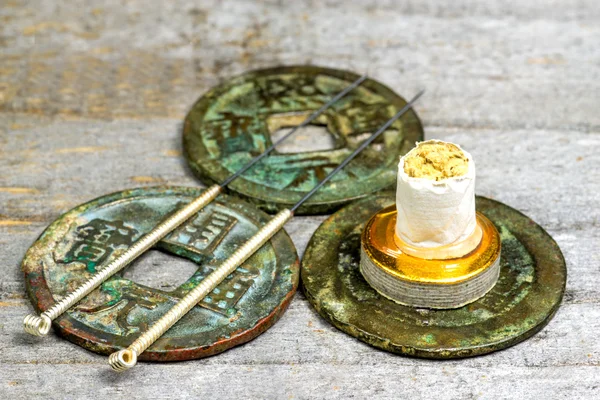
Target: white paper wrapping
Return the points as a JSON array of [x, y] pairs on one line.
[[435, 213]]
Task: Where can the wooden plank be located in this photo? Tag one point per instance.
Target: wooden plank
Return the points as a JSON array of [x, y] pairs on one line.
[[92, 98]]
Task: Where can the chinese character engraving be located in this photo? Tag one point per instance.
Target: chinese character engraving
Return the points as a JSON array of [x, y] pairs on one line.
[[97, 240], [203, 234]]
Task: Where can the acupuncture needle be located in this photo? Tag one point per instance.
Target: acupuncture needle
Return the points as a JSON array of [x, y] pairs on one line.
[[127, 358], [40, 325]]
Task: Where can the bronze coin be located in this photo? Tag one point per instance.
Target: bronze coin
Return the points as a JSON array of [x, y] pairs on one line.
[[528, 293], [84, 239], [236, 121]]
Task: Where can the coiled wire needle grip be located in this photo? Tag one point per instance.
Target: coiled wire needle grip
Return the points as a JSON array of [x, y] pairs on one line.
[[40, 325], [127, 358]]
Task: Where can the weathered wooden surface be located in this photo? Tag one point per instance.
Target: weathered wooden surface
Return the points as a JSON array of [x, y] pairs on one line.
[[91, 101]]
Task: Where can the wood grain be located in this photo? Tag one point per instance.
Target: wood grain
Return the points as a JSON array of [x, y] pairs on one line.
[[92, 97]]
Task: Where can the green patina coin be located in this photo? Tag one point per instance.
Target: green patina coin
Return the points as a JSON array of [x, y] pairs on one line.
[[528, 293], [235, 121], [243, 306]]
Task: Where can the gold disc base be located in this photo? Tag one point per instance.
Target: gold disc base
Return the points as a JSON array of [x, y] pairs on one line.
[[427, 283]]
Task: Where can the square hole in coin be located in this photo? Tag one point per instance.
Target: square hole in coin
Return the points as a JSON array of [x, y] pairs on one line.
[[160, 270], [308, 138], [313, 137]]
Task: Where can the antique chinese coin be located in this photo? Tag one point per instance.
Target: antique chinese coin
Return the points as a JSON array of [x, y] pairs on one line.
[[239, 119], [526, 295], [80, 242]]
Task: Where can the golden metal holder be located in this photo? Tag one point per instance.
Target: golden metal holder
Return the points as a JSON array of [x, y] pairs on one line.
[[429, 283]]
